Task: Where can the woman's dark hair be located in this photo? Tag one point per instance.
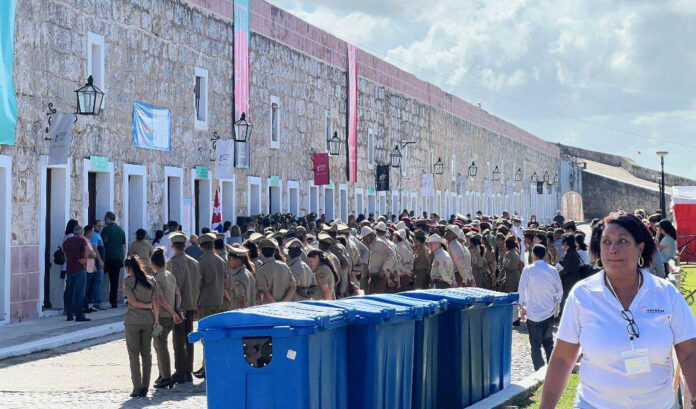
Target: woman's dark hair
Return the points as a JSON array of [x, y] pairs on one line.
[[569, 240], [158, 236], [133, 262], [219, 244], [140, 234], [157, 257], [668, 227], [477, 243], [226, 225], [253, 249], [323, 259], [510, 243], [633, 225], [236, 231], [542, 239], [294, 252], [580, 241], [71, 226], [539, 251], [245, 261], [268, 251]]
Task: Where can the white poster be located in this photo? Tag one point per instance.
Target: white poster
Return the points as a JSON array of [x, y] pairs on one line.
[[61, 138], [428, 188], [186, 216], [224, 159], [488, 187]]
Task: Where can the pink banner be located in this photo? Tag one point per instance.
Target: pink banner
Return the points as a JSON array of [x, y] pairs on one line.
[[352, 113], [321, 168], [241, 59]]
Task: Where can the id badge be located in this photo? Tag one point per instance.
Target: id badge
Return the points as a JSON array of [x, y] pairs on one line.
[[636, 361]]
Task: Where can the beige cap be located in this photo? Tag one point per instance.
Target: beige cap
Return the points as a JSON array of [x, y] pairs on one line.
[[435, 238], [366, 231], [177, 237], [207, 238], [381, 227]]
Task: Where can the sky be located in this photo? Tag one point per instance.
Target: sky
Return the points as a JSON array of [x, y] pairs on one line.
[[613, 76]]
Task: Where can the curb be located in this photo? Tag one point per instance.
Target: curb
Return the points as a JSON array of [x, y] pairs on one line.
[[61, 340], [512, 392]]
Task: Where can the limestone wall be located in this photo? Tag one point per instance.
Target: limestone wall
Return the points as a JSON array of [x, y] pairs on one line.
[[602, 196]]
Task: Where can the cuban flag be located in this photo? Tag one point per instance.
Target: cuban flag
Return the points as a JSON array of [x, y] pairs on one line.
[[216, 222]]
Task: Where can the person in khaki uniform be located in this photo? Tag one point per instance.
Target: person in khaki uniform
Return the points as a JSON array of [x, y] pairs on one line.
[[304, 277], [381, 232], [345, 262], [142, 248], [141, 319], [273, 279], [324, 274], [405, 255], [442, 269], [421, 262], [511, 269], [213, 275], [186, 271], [170, 292], [461, 257], [381, 262], [478, 263], [325, 244], [242, 284]]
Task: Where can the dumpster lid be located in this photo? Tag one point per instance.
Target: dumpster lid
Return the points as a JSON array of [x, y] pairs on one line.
[[454, 300], [430, 307], [497, 297], [401, 311], [366, 312], [284, 314]]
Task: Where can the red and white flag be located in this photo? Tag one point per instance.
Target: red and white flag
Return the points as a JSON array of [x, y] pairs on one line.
[[216, 222]]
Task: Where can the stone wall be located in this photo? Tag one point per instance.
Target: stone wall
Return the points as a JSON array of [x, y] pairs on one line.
[[602, 196]]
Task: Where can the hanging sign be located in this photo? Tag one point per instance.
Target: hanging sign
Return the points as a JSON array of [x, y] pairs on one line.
[[61, 138], [186, 215], [224, 159], [428, 187], [241, 155], [382, 178], [321, 168], [152, 127], [275, 181], [540, 187], [370, 191]]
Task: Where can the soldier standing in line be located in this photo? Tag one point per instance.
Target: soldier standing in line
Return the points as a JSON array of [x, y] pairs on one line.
[[325, 244], [346, 266], [242, 281], [381, 262], [274, 281], [213, 275], [421, 262], [324, 274], [461, 257], [381, 232], [405, 253], [304, 278], [442, 269], [187, 273]]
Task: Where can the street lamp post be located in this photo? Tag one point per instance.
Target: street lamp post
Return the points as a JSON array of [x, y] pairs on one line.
[[662, 155]]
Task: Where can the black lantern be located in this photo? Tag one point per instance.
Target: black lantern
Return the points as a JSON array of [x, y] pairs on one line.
[[518, 175], [89, 98], [534, 177], [473, 169], [334, 145], [242, 129], [496, 174], [555, 179], [396, 157], [439, 167], [546, 176]]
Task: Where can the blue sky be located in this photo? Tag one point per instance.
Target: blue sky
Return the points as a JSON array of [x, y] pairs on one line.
[[615, 76]]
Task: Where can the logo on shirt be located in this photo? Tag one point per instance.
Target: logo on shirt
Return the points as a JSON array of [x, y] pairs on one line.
[[653, 310]]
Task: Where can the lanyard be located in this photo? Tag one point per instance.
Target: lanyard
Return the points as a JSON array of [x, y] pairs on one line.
[[626, 314]]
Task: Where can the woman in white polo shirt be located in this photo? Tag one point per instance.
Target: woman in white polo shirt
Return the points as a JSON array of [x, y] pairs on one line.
[[627, 321]]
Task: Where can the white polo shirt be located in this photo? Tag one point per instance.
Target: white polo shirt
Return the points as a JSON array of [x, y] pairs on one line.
[[592, 318]]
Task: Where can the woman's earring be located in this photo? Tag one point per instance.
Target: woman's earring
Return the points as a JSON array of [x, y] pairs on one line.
[[599, 263], [641, 261]]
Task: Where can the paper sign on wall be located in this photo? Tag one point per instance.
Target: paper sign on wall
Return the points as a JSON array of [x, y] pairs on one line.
[[202, 172], [275, 181], [99, 163]]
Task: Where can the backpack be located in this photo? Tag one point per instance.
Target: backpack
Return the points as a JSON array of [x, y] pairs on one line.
[[59, 257]]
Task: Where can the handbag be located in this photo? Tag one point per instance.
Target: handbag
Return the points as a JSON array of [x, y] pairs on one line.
[[59, 257]]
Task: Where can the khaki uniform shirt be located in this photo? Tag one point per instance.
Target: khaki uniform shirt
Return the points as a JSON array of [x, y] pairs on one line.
[[405, 254], [167, 283], [304, 277], [275, 277], [143, 294], [422, 262], [143, 249], [381, 258], [461, 257], [187, 273], [345, 268], [324, 276], [362, 249], [242, 286], [213, 273], [512, 267], [442, 268]]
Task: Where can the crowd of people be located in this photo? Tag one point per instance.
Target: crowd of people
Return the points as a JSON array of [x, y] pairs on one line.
[[177, 279]]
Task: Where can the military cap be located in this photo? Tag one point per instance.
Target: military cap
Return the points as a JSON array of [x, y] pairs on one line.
[[177, 237], [237, 251], [366, 231], [300, 231], [207, 238], [381, 227], [293, 243], [342, 228], [435, 238], [255, 237], [267, 243], [325, 238], [276, 235], [655, 218], [569, 224]]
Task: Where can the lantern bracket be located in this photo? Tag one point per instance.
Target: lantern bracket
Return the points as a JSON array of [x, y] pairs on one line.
[[50, 113]]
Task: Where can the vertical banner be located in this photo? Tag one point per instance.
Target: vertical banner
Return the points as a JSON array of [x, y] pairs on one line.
[[216, 220], [241, 74], [540, 187], [488, 188], [382, 181], [152, 127], [224, 159], [461, 184], [321, 168], [8, 104], [61, 138], [428, 187], [352, 113], [509, 187], [186, 216]]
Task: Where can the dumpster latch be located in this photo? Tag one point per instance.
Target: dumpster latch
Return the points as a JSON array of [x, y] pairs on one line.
[[258, 351]]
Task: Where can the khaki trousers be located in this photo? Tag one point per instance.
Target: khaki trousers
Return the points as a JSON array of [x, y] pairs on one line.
[[183, 350], [160, 343], [139, 344]]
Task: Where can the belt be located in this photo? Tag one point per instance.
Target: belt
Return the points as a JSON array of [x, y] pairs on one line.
[[439, 280]]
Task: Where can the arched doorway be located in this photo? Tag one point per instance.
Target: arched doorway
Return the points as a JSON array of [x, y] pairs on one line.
[[571, 206]]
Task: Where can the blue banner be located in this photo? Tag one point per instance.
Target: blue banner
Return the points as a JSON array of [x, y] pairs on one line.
[[8, 105], [152, 127]]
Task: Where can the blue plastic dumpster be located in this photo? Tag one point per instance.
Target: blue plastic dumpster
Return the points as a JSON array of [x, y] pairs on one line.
[[425, 348], [497, 330], [459, 377], [380, 352], [282, 355]]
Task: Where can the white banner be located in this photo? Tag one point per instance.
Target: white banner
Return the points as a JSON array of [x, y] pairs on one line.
[[428, 188], [224, 159], [61, 138], [488, 187]]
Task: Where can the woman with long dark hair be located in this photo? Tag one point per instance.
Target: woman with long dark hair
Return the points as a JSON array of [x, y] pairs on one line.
[[141, 319], [241, 285], [571, 262], [668, 242], [324, 274]]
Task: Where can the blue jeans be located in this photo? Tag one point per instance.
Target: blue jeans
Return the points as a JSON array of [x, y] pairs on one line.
[[93, 286], [74, 295]]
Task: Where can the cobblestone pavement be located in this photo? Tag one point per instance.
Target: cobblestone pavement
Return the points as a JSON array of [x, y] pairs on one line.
[[95, 374]]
